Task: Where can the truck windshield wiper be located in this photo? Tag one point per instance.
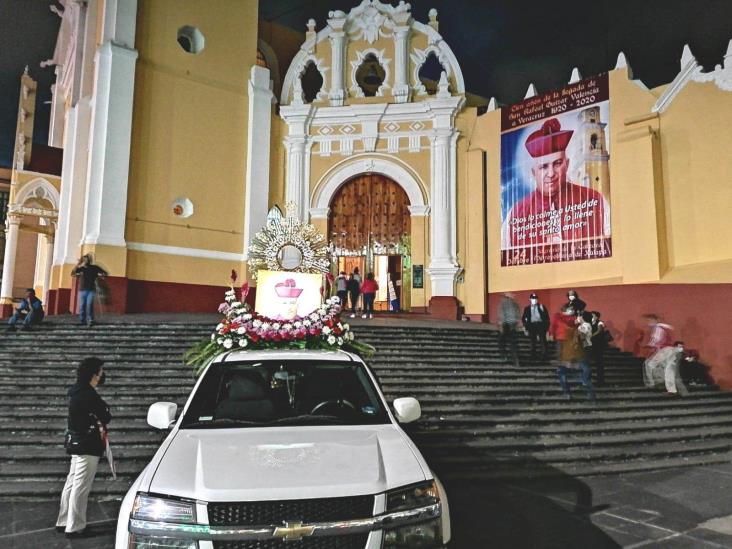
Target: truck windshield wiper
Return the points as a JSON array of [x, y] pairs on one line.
[[308, 419]]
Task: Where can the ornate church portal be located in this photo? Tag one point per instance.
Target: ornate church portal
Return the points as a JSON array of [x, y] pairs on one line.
[[371, 149], [369, 228]]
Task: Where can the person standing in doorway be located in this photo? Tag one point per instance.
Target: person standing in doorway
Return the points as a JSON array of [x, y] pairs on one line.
[[88, 272], [88, 417], [536, 323], [369, 289], [341, 284], [508, 317], [354, 290]]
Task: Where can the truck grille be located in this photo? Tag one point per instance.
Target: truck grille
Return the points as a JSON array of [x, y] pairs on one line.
[[353, 541], [263, 513]]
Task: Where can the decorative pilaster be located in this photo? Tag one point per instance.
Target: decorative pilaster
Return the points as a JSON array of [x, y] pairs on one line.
[[298, 145], [337, 43], [400, 90], [256, 194], [12, 225], [73, 183], [443, 262], [106, 189]]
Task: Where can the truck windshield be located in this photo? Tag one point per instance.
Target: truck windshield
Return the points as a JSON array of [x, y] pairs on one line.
[[284, 393]]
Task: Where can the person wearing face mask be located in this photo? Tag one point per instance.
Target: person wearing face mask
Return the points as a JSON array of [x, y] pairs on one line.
[[664, 367], [88, 417], [536, 323], [574, 301]]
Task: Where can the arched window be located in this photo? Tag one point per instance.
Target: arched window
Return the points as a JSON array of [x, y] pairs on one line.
[[312, 82], [370, 75], [429, 73]]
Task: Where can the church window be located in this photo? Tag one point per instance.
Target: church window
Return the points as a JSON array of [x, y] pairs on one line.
[[429, 73], [191, 40], [370, 75], [312, 82]]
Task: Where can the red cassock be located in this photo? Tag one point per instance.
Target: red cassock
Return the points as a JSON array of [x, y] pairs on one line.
[[574, 213]]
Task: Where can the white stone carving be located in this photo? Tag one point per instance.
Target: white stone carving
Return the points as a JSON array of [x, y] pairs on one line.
[[419, 57], [721, 75], [531, 91], [38, 188], [372, 19], [355, 89], [575, 77]]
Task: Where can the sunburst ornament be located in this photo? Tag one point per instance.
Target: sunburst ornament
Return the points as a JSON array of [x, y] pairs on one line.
[[288, 244]]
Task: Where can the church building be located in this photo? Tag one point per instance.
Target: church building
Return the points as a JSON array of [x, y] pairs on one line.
[[182, 126]]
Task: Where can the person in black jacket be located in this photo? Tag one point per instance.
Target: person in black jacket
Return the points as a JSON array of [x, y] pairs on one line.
[[574, 301], [88, 273], [88, 416], [536, 323]]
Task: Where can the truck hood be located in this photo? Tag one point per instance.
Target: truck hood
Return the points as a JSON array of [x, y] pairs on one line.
[[286, 463]]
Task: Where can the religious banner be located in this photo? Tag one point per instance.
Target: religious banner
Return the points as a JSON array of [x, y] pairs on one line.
[[555, 176]]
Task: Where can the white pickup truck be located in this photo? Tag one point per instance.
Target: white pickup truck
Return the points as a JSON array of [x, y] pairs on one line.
[[285, 449]]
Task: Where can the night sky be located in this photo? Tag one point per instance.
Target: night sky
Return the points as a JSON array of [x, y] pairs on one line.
[[502, 46]]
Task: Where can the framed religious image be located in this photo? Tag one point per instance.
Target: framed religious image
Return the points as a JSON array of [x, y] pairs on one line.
[[417, 276], [284, 295]]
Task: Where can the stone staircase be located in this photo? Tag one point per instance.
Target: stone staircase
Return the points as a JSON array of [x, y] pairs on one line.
[[482, 418]]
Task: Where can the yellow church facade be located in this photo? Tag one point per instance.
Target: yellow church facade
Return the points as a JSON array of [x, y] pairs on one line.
[[183, 125]]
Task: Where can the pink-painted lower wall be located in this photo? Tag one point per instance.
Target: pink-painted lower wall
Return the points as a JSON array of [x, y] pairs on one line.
[[701, 315]]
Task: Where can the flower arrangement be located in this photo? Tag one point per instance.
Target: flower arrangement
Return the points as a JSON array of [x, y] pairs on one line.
[[241, 328]]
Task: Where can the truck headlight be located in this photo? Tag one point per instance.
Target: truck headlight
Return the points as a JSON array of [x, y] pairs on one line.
[[412, 497], [159, 509], [423, 534]]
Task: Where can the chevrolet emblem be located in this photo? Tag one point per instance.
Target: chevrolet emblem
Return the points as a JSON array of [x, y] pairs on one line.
[[293, 531]]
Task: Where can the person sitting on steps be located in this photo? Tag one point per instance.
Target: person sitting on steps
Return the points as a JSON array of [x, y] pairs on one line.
[[30, 311]]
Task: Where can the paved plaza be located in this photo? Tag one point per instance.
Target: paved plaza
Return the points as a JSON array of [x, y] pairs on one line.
[[686, 508]]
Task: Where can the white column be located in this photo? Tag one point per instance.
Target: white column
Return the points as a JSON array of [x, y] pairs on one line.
[[400, 90], [56, 126], [443, 262], [73, 184], [297, 185], [256, 194], [109, 157], [48, 249], [12, 223], [337, 44]]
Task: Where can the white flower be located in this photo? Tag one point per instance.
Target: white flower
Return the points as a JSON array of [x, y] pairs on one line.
[[350, 336], [327, 301], [265, 326], [228, 343], [335, 299], [276, 326], [298, 324], [219, 326], [287, 327], [241, 330], [236, 304], [242, 342], [326, 330], [346, 326], [340, 341], [331, 340], [247, 316], [257, 323], [220, 340], [306, 323], [313, 316]]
